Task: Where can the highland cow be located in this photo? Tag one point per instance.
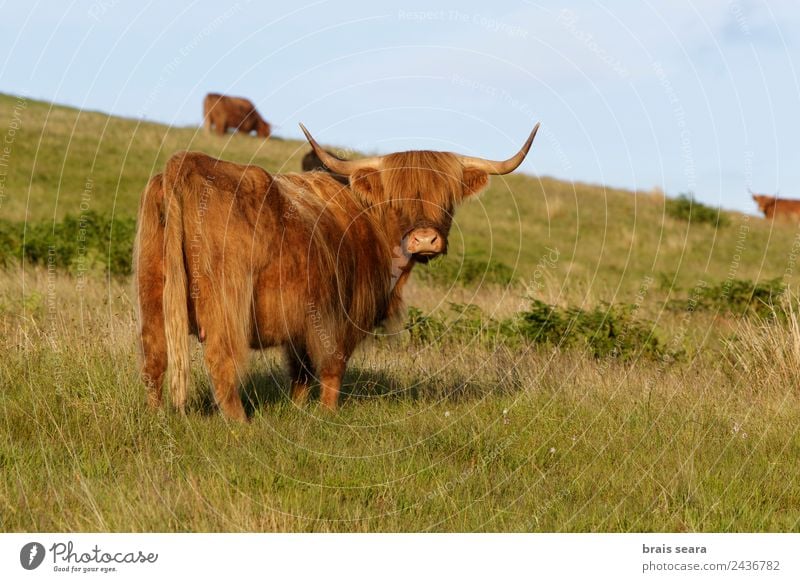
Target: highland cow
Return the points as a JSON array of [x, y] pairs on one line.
[[222, 113], [777, 208], [245, 259]]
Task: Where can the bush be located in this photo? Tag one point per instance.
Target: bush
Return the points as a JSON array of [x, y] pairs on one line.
[[89, 242], [739, 297], [685, 207], [607, 331]]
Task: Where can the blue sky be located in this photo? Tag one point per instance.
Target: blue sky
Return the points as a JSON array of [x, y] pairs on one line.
[[701, 96]]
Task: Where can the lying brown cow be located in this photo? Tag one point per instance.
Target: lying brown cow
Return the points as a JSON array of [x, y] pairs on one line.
[[777, 208], [244, 259], [221, 113], [312, 163]]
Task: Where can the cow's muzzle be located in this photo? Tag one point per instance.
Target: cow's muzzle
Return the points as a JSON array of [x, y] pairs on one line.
[[424, 242]]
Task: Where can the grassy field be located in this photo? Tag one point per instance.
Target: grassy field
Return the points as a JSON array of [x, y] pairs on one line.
[[457, 430]]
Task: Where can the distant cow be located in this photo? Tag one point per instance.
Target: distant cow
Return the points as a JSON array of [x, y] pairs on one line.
[[244, 259], [312, 163], [777, 208], [222, 113]]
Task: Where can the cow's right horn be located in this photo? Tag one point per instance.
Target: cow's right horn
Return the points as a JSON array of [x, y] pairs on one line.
[[337, 166], [506, 166]]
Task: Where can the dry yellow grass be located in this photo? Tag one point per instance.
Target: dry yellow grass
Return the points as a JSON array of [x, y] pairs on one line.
[[455, 437]]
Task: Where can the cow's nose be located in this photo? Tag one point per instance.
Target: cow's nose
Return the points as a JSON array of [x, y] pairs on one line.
[[424, 241]]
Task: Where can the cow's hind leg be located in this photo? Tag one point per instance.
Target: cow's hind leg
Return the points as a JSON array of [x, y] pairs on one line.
[[154, 365], [223, 320], [152, 335], [226, 357], [301, 372]]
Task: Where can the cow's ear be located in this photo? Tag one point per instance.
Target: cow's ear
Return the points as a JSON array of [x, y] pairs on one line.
[[366, 182], [474, 180]]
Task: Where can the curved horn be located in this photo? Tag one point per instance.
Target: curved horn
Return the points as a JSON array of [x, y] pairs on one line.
[[337, 166], [505, 167]]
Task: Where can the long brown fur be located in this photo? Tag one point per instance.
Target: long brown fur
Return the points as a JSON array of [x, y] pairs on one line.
[[148, 261], [296, 260]]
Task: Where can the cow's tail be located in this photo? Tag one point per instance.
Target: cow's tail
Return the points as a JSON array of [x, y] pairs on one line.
[[148, 283], [176, 315]]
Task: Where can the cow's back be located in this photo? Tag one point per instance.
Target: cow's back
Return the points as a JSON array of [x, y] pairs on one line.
[[789, 209], [232, 110], [302, 241]]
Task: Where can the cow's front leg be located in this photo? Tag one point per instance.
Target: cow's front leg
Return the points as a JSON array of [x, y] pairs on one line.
[[331, 373], [300, 372]]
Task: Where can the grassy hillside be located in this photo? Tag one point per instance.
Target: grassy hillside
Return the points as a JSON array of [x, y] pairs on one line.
[[607, 240], [581, 362]]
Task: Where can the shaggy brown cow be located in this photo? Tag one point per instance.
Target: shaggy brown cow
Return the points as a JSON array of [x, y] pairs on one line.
[[223, 113], [244, 259], [312, 163], [777, 208]]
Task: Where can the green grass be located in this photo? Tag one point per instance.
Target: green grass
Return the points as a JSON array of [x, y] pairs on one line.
[[466, 439], [451, 431], [64, 161]]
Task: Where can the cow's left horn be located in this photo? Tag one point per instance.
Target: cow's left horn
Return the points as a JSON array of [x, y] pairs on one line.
[[506, 167], [337, 166]]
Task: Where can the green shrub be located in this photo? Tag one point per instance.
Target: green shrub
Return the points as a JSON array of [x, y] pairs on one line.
[[607, 331], [685, 207], [424, 328], [89, 242], [739, 297]]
